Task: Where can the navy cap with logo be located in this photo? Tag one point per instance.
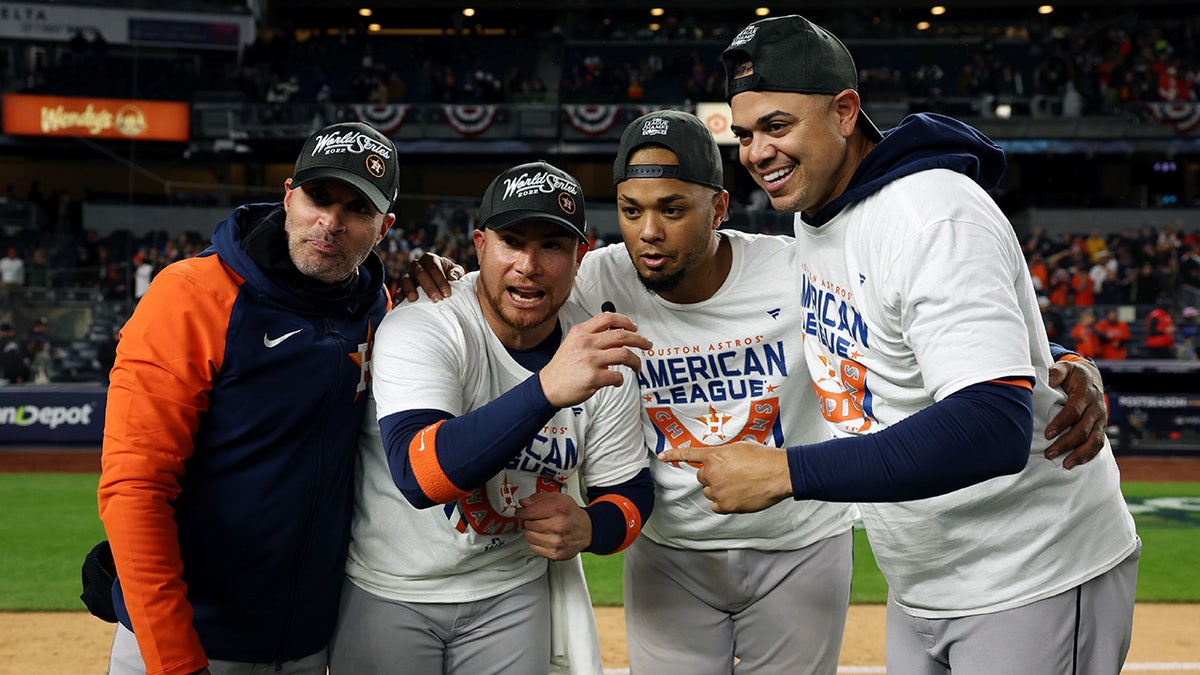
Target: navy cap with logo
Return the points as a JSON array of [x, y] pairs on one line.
[[354, 153], [534, 191], [792, 54], [683, 134]]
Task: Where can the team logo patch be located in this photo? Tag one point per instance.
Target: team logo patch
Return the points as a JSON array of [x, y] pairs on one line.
[[743, 37], [566, 202], [376, 166]]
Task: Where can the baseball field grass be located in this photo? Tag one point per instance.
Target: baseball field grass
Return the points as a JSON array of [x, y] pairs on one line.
[[48, 522]]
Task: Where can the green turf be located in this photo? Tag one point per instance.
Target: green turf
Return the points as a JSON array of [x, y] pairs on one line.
[[1170, 539], [1168, 521], [49, 523]]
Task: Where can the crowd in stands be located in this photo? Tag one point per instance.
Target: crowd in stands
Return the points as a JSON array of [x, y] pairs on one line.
[[1082, 65], [1094, 66], [1132, 294]]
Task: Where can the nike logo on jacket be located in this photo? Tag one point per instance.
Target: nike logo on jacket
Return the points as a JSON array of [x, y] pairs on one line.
[[271, 343]]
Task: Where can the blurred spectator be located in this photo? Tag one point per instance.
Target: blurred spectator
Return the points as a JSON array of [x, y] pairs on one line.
[[1188, 345], [12, 270], [37, 270], [1160, 331], [1053, 319], [1094, 244], [1083, 292], [111, 277], [1060, 288], [1114, 336], [14, 368], [1104, 278], [143, 272], [1149, 285], [1086, 340], [37, 347], [1037, 269], [1072, 101], [37, 335], [595, 241]]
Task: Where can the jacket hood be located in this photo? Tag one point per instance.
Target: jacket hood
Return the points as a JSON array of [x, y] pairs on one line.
[[227, 243], [921, 142]]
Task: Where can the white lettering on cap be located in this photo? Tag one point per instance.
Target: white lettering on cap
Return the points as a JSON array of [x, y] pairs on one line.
[[541, 181], [351, 141], [743, 37], [656, 126]]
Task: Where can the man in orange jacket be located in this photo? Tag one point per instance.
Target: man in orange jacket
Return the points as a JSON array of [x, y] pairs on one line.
[[231, 432]]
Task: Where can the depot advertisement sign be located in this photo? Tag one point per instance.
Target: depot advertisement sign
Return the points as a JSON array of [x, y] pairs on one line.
[[27, 115], [34, 415]]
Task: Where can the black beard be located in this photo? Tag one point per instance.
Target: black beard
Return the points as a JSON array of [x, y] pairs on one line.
[[663, 283]]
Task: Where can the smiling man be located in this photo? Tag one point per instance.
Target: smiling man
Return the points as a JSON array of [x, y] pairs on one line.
[[923, 337], [492, 405], [768, 591], [233, 417]]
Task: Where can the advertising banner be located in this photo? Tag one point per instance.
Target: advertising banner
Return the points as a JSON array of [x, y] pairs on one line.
[[50, 415], [26, 115]]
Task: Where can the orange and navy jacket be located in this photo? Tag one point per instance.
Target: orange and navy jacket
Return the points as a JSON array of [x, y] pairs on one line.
[[229, 446]]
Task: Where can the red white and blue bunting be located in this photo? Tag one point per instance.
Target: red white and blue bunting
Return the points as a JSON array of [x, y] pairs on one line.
[[470, 120], [592, 120], [1183, 116], [387, 118]]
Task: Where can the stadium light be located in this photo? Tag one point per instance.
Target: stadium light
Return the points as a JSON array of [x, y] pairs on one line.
[[374, 27], [657, 11], [937, 10], [1045, 9], [762, 11], [365, 11], [468, 11], [923, 25]]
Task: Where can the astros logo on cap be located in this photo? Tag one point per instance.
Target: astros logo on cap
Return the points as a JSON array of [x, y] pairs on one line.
[[376, 166], [566, 202]]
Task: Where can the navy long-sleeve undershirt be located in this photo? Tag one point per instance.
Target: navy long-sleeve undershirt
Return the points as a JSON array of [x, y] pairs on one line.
[[473, 447], [977, 433]]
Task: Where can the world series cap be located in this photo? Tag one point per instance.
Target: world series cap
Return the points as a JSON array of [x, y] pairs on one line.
[[534, 191], [683, 134], [793, 54], [353, 153]]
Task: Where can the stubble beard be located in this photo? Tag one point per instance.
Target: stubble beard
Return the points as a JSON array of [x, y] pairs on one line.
[[311, 263], [518, 321]]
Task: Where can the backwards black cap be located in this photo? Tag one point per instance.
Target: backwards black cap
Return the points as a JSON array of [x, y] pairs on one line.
[[792, 54], [354, 153], [534, 191], [683, 134]]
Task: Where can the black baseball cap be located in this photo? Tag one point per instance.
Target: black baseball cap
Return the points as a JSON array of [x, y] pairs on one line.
[[683, 134], [534, 191], [793, 54], [354, 153]]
